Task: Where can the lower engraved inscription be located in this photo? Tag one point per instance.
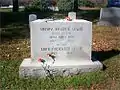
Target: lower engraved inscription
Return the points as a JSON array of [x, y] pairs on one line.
[[56, 49], [61, 49]]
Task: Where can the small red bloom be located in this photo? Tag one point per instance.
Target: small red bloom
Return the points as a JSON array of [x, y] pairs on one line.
[[40, 59], [68, 18]]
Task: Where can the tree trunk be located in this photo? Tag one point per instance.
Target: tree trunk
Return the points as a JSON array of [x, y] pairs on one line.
[[15, 6], [75, 5]]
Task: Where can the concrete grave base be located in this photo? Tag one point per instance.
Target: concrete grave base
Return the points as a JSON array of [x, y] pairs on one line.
[[67, 68]]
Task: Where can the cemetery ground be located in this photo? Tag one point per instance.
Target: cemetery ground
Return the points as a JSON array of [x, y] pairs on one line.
[[15, 46]]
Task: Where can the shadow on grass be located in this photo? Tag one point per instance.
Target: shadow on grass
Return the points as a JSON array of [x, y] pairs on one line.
[[91, 15], [15, 31], [23, 17], [103, 55], [20, 17]]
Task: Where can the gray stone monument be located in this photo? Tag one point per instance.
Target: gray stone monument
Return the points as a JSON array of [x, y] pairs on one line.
[[109, 16], [60, 46]]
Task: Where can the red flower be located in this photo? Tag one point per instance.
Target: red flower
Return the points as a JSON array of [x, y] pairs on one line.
[[40, 59], [68, 18]]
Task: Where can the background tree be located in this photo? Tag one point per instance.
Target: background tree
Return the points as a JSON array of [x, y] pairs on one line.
[[65, 5], [15, 6], [38, 5], [75, 5], [54, 3]]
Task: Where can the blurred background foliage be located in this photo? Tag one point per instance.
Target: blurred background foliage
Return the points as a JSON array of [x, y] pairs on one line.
[[63, 5]]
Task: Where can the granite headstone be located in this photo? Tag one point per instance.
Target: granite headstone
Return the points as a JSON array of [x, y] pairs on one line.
[[69, 41], [109, 16]]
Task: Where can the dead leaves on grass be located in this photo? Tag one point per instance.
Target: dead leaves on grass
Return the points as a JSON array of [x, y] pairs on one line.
[[106, 38], [15, 49]]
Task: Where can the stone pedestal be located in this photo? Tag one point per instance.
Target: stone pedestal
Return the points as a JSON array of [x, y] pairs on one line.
[[67, 68]]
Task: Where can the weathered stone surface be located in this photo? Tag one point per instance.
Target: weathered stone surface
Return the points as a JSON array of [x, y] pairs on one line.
[[28, 68]]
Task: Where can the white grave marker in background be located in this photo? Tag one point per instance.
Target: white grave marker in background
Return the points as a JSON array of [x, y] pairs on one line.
[[32, 17], [70, 41], [72, 15]]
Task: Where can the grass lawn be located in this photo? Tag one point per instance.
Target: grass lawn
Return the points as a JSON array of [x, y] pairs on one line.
[[5, 10], [15, 46], [9, 9]]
